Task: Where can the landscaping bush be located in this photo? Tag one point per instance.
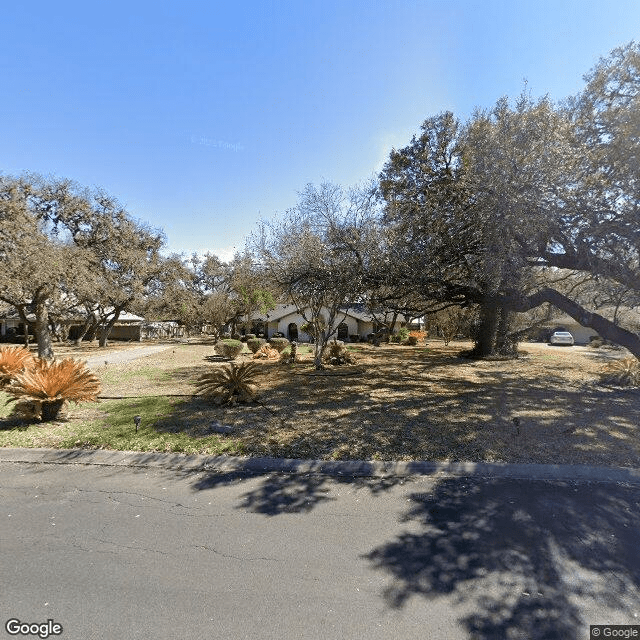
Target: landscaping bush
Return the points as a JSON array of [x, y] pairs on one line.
[[42, 389], [250, 336], [338, 354], [395, 339], [412, 341], [354, 338], [280, 344], [403, 334], [265, 351], [13, 360], [229, 348], [625, 373], [596, 343], [230, 384], [254, 344]]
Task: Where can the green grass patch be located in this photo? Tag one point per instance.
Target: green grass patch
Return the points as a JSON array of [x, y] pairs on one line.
[[5, 408], [115, 429]]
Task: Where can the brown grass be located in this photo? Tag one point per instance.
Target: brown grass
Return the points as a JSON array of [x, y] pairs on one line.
[[407, 403]]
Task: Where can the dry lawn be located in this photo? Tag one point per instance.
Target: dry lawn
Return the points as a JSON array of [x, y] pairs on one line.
[[404, 403]]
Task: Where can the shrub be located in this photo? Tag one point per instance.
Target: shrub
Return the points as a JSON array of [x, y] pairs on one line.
[[596, 343], [280, 344], [46, 386], [254, 344], [267, 352], [13, 360], [229, 348], [229, 384], [338, 354], [412, 341], [250, 336], [354, 337], [395, 339], [403, 334], [624, 372]]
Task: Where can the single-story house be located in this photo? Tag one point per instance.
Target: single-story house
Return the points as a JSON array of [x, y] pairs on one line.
[[11, 324], [128, 326], [288, 320]]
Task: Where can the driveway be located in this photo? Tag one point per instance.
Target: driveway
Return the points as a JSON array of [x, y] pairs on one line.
[[147, 552], [126, 355]]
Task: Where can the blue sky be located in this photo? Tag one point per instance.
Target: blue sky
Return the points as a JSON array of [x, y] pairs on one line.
[[203, 117]]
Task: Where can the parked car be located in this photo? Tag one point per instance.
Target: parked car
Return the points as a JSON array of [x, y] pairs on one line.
[[561, 337]]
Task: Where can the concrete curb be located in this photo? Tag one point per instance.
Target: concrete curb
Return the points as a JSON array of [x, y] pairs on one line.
[[349, 468]]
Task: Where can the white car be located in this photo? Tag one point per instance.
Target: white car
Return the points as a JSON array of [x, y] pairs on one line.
[[561, 337]]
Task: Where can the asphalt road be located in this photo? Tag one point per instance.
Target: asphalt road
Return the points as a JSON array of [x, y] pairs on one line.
[[127, 553]]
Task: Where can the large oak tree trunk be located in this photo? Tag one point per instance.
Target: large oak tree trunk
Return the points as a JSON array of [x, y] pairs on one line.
[[485, 338], [492, 336], [89, 329], [43, 334], [105, 330]]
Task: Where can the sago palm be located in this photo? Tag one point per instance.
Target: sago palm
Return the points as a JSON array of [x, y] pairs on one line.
[[49, 384], [235, 383], [13, 360], [625, 372]]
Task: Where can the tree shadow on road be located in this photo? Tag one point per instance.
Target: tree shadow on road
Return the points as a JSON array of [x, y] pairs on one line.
[[526, 556], [277, 494]]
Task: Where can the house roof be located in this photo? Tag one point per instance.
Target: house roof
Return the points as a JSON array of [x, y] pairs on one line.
[[357, 311], [124, 317]]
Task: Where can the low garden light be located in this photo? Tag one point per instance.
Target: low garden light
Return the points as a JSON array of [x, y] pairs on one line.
[[136, 420]]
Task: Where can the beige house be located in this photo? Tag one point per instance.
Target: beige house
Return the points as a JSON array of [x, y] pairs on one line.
[[287, 319], [128, 327]]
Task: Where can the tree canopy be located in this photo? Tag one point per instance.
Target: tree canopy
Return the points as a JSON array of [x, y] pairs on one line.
[[66, 247], [477, 211]]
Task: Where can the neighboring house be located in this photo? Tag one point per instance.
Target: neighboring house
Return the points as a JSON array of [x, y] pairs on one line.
[[624, 316], [162, 329], [11, 324], [128, 327], [287, 319]]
